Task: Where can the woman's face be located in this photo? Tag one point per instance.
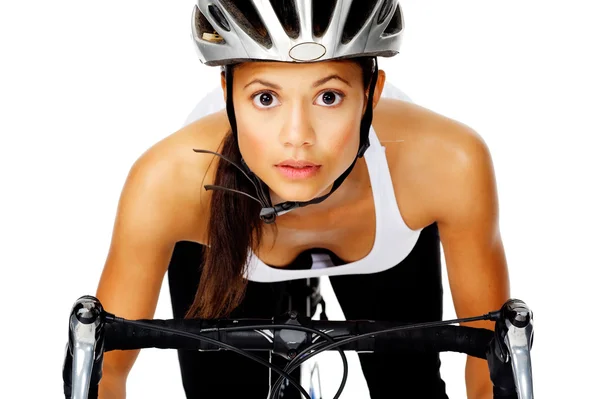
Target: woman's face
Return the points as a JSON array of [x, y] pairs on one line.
[[298, 124]]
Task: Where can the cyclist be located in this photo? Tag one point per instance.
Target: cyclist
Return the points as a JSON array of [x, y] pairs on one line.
[[306, 109]]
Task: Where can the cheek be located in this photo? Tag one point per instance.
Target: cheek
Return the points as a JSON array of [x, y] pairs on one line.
[[339, 135], [341, 139], [254, 138]]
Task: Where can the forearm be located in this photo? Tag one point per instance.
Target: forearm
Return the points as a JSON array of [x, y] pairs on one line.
[[477, 378], [483, 395], [112, 387]]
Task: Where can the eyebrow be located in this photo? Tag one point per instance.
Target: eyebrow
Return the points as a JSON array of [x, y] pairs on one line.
[[264, 83], [328, 78], [316, 84]]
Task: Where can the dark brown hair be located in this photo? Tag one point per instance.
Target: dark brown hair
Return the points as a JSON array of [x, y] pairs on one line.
[[234, 229]]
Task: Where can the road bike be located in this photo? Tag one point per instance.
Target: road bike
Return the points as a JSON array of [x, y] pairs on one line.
[[297, 338]]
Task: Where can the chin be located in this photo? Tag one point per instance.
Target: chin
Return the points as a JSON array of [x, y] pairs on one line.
[[286, 192]]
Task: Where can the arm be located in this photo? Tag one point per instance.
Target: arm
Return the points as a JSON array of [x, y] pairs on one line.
[[474, 253], [152, 216]]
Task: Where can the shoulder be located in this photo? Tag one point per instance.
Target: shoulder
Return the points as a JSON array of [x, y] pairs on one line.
[[435, 162], [173, 176]]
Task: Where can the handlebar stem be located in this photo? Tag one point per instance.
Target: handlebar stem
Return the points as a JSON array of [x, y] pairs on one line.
[[288, 343]]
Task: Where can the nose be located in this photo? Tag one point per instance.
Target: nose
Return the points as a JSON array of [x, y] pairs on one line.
[[297, 131]]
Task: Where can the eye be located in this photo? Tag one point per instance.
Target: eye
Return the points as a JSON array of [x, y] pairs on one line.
[[329, 98], [265, 100]]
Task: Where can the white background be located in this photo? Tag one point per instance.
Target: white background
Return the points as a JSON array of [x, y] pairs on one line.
[[86, 87]]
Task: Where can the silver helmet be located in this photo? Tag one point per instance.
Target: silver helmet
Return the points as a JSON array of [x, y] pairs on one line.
[[230, 31]]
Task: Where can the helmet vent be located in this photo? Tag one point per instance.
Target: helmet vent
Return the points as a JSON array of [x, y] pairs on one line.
[[205, 30], [322, 13], [385, 10], [395, 25], [247, 17], [216, 13], [359, 13], [288, 16]]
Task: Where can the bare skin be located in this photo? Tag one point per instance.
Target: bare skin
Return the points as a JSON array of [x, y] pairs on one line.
[[441, 170]]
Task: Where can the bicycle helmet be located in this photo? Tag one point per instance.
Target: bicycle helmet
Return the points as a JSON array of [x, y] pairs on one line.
[[227, 32]]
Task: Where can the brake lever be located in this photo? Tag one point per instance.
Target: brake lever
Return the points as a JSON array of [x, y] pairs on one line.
[[508, 355], [519, 340], [84, 353]]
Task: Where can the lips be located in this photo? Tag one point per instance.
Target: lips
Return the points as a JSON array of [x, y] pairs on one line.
[[292, 163], [298, 169]]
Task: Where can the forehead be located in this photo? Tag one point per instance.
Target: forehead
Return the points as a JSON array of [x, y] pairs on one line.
[[348, 69]]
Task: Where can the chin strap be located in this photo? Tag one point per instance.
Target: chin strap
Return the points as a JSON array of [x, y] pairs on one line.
[[269, 212]]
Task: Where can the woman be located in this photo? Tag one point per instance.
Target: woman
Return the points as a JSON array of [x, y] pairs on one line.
[[313, 169]]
